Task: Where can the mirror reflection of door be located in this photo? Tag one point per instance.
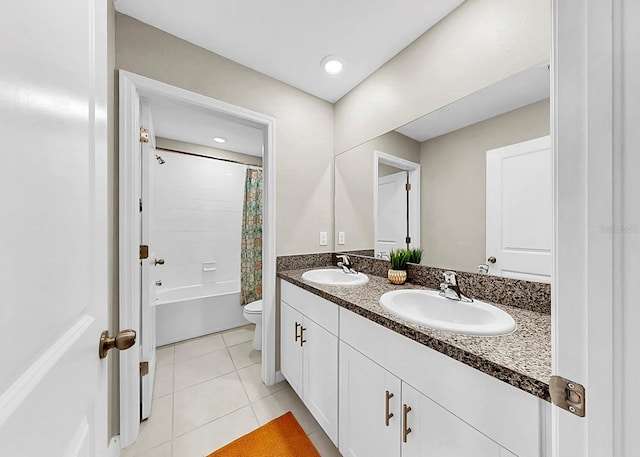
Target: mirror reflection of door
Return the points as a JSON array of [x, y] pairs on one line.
[[519, 210], [392, 212], [396, 204]]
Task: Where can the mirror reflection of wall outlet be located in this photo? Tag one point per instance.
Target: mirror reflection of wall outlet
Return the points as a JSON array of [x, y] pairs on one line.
[[340, 237], [323, 239]]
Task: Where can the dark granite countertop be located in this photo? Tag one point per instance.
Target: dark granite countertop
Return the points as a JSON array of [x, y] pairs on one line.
[[522, 358]]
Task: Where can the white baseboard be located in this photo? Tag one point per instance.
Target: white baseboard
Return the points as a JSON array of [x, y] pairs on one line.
[[114, 447]]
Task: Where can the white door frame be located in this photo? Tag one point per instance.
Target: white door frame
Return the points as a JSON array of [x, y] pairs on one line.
[[414, 196], [596, 194], [131, 85]]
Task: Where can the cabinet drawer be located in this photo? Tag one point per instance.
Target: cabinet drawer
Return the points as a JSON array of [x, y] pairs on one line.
[[319, 310], [511, 417]]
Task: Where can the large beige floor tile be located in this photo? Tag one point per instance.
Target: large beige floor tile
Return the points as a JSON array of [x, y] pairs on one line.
[[198, 346], [323, 444], [206, 439], [157, 429], [163, 382], [244, 355], [164, 450], [251, 377], [164, 356], [238, 335], [277, 404], [202, 368], [202, 403]]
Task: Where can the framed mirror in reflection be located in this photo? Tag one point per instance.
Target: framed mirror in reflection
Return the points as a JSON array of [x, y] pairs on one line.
[[480, 175]]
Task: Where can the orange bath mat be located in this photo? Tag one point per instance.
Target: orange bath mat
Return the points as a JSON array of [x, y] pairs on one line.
[[282, 437]]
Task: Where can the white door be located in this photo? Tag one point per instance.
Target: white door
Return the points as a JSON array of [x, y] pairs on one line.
[[520, 210], [148, 265], [53, 228], [320, 376], [392, 213], [290, 348], [369, 410], [435, 431]]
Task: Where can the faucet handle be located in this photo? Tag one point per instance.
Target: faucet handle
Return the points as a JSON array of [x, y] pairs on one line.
[[450, 278], [345, 259]]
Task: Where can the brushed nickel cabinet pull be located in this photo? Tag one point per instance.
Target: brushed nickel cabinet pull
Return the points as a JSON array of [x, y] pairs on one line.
[[405, 428], [387, 414], [302, 340], [298, 336]]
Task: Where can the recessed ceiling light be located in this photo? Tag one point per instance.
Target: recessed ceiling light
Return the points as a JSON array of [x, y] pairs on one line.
[[219, 140], [331, 65]]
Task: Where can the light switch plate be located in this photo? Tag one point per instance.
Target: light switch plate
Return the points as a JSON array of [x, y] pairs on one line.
[[340, 237], [323, 239]]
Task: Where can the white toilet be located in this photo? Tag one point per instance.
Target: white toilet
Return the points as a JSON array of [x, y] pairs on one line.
[[253, 313]]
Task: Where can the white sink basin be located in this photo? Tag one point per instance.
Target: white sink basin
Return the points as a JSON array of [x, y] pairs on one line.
[[335, 277], [428, 308]]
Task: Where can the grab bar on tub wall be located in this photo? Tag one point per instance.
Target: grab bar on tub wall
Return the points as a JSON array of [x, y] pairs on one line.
[[209, 265]]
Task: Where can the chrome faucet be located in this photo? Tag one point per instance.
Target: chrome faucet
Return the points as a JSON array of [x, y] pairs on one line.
[[346, 265], [450, 288]]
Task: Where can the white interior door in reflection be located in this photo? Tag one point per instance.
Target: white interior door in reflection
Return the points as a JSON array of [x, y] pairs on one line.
[[519, 210], [392, 213]]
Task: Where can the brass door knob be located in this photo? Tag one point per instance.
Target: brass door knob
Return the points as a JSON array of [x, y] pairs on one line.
[[492, 259], [123, 340], [158, 262]]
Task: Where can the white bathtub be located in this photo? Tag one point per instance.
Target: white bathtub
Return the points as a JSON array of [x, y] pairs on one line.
[[192, 311]]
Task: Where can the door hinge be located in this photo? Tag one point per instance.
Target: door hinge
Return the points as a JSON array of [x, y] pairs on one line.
[[407, 187], [144, 135], [144, 251], [140, 204], [407, 240], [144, 368], [567, 395]]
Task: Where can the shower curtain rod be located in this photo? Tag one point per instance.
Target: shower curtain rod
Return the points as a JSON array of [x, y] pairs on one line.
[[208, 157]]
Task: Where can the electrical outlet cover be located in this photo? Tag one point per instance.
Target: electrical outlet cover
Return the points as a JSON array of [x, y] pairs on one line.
[[341, 238], [323, 239]]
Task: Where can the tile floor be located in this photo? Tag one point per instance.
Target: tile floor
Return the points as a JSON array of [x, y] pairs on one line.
[[208, 392]]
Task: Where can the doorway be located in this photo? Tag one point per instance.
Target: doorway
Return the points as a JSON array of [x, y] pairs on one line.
[[135, 89], [396, 204]]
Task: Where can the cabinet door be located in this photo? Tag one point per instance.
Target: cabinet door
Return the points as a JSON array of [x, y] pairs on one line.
[[290, 348], [320, 376], [364, 428], [435, 431]]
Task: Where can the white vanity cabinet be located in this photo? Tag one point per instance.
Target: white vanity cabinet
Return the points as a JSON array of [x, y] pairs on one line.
[[309, 353], [381, 415], [369, 407], [455, 411]]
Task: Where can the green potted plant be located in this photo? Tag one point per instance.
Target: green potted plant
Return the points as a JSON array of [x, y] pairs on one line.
[[415, 256], [398, 272]]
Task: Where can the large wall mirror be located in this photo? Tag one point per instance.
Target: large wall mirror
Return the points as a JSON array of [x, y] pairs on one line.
[[480, 184]]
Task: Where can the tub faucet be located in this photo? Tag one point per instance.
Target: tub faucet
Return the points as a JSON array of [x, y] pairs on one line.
[[346, 265], [450, 288]]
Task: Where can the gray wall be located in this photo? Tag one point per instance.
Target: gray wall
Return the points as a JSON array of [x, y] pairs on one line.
[[304, 141], [453, 184], [304, 123], [354, 187], [478, 44]]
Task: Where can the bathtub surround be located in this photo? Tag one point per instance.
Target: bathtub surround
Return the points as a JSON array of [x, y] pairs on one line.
[[251, 244], [197, 230]]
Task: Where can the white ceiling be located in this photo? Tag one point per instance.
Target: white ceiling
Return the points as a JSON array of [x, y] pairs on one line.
[[528, 86], [287, 39], [178, 120]]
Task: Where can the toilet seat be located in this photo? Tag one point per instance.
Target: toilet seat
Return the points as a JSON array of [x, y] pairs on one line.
[[255, 307]]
